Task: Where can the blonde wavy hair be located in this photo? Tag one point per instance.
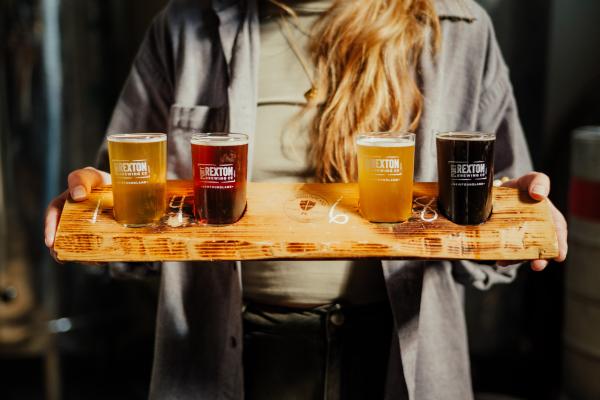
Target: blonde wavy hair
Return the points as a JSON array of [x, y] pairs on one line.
[[366, 54]]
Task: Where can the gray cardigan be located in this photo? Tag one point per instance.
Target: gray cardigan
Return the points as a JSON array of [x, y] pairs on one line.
[[197, 68]]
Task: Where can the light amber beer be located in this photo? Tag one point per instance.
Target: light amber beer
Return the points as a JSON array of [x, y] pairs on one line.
[[138, 169], [385, 176]]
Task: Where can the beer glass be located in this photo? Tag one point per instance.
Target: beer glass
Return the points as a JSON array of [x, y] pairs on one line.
[[385, 175], [465, 174], [138, 169], [219, 163]]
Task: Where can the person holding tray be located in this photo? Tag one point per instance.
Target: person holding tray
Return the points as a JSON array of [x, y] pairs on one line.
[[302, 78]]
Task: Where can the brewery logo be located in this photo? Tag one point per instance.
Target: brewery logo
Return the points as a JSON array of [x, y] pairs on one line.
[[131, 169], [306, 207], [461, 170], [388, 169], [391, 164], [212, 173]]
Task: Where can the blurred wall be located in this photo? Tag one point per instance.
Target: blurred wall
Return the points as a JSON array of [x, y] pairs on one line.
[[573, 78], [100, 39], [573, 84], [102, 329]]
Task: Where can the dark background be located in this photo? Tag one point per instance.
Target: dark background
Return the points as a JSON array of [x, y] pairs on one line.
[[69, 331]]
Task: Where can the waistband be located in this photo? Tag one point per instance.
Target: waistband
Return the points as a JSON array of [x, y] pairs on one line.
[[312, 321]]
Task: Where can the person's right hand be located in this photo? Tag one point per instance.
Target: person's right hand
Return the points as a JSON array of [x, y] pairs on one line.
[[81, 182]]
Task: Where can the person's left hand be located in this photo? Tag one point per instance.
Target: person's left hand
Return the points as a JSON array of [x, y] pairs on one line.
[[538, 186]]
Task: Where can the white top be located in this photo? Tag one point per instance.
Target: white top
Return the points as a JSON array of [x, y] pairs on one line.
[[280, 155]]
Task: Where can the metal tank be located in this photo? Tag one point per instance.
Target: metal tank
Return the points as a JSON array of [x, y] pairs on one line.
[[581, 352]]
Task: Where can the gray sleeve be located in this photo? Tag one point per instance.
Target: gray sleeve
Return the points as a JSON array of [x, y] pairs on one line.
[[497, 113], [143, 106]]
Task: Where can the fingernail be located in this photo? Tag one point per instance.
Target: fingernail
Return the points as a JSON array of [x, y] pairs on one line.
[[539, 190], [48, 241], [78, 192], [539, 265]]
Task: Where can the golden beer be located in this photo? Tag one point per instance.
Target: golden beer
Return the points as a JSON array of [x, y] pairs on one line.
[[385, 176], [138, 169]]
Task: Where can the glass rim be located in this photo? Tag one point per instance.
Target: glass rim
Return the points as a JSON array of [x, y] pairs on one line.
[[386, 135], [216, 137], [137, 137], [456, 135]]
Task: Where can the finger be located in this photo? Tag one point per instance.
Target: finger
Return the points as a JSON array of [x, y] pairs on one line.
[[96, 264], [512, 183], [536, 183], [83, 180], [55, 257], [538, 186], [561, 233], [539, 265], [506, 263], [53, 213]]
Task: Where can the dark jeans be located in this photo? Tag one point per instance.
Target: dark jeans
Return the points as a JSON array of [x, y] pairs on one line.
[[326, 353]]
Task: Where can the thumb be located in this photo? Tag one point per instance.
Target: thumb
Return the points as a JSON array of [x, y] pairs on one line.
[[83, 180], [536, 184]]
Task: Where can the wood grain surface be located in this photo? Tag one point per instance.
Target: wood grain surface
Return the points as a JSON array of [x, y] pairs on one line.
[[306, 221]]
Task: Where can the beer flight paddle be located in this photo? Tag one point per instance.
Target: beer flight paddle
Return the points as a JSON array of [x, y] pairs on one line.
[[220, 216], [306, 221]]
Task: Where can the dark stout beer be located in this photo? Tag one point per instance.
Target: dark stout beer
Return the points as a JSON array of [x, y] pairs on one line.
[[465, 175], [219, 161]]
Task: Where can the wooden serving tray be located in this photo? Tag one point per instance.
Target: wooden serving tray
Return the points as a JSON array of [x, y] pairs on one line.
[[306, 221]]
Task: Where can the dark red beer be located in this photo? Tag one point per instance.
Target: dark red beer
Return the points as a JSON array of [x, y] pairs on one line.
[[219, 162]]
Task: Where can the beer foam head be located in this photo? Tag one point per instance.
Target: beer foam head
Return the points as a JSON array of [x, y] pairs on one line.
[[137, 137], [474, 136], [386, 140], [219, 139]]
